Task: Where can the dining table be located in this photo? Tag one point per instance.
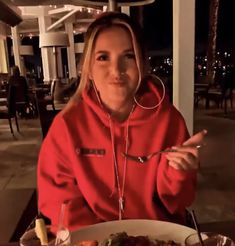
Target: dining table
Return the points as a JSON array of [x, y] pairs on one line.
[[226, 228], [201, 85]]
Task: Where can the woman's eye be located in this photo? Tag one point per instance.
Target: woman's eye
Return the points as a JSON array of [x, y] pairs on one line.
[[102, 58], [130, 55]]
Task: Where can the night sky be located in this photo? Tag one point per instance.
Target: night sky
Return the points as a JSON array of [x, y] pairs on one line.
[[158, 24]]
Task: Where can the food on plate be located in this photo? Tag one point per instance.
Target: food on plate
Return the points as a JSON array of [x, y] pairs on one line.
[[87, 243], [122, 239]]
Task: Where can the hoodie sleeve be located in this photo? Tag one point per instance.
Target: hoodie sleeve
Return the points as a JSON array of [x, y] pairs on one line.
[[176, 188], [56, 181]]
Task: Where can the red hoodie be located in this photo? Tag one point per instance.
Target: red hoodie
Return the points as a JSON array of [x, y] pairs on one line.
[[76, 164]]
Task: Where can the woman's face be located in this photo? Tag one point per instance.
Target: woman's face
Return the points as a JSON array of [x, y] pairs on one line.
[[113, 66]]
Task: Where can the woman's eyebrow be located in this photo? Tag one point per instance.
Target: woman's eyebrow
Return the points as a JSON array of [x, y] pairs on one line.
[[107, 52], [101, 52], [128, 50]]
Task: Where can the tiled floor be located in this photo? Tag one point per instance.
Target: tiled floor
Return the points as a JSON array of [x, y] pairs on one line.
[[19, 155], [216, 189], [215, 200]]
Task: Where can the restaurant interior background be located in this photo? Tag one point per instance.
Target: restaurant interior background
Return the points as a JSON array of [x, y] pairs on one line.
[[18, 154]]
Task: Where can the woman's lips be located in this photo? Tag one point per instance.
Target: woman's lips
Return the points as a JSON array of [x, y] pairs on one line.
[[117, 83]]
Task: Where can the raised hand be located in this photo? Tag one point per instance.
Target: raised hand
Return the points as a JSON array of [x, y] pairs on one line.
[[187, 155]]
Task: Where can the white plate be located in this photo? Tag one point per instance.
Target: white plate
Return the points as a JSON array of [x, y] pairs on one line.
[[157, 229]]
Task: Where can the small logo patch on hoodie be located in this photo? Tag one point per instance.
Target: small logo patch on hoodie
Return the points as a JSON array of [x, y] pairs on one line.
[[90, 152]]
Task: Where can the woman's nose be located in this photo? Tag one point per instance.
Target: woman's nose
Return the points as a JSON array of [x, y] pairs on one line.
[[117, 68]]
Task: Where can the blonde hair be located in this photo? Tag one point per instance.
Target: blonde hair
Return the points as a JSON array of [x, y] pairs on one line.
[[106, 21]]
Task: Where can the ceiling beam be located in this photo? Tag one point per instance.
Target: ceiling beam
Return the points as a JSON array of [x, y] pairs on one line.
[[65, 8], [80, 2], [9, 13], [62, 19]]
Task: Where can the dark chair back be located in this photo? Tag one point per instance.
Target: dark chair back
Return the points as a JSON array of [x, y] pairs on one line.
[[45, 116], [21, 86], [10, 109], [21, 94], [53, 84]]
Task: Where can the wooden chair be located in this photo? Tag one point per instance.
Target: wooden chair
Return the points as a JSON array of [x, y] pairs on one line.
[[21, 94], [8, 111], [49, 99], [45, 116], [221, 91], [201, 87], [220, 95]]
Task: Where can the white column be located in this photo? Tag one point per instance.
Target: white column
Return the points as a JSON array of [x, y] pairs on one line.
[[183, 58], [16, 49], [4, 64], [125, 10], [48, 61], [3, 56], [59, 63], [112, 5], [71, 50]]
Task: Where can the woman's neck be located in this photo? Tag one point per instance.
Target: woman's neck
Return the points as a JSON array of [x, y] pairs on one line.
[[120, 112]]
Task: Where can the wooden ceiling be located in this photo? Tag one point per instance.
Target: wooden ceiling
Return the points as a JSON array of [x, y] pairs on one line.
[[9, 13], [79, 2]]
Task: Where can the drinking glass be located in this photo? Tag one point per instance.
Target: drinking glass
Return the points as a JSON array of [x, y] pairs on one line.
[[65, 237], [209, 239], [29, 238]]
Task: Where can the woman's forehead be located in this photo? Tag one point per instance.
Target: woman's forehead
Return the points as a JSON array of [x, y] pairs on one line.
[[115, 34]]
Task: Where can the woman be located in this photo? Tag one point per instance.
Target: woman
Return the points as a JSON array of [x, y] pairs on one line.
[[116, 110]]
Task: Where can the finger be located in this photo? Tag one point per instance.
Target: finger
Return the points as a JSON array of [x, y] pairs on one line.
[[174, 165], [182, 148], [187, 153], [182, 166], [181, 162], [178, 166], [186, 160], [196, 139]]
